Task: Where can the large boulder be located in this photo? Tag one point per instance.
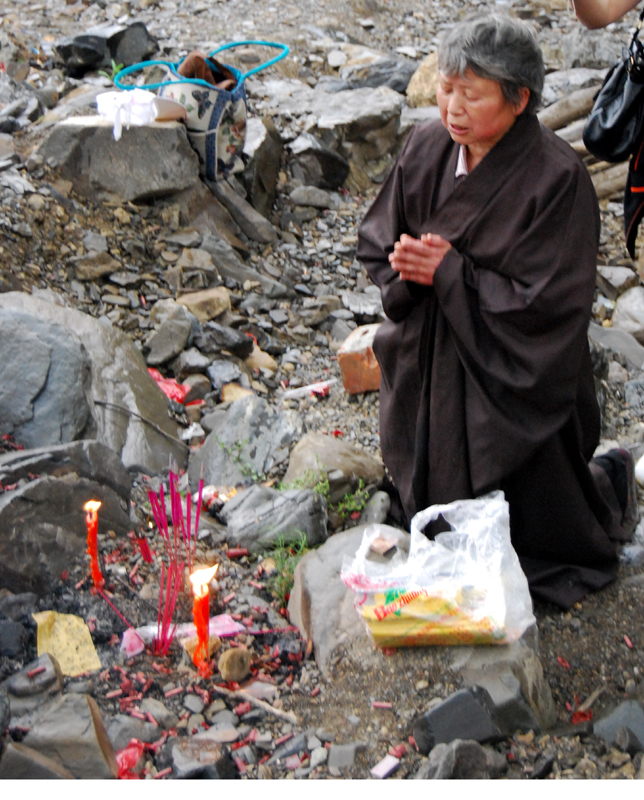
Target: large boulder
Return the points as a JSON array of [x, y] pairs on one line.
[[263, 149], [44, 377], [42, 524], [257, 516], [85, 152], [245, 442], [317, 455], [129, 413], [71, 732]]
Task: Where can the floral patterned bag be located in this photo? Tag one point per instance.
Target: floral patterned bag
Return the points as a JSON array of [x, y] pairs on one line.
[[216, 122]]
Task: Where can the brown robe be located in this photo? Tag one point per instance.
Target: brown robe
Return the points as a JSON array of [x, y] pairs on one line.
[[486, 376]]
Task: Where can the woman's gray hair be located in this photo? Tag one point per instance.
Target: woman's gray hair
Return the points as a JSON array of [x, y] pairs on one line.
[[499, 48]]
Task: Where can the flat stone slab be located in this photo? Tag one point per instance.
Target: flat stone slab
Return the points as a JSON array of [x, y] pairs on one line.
[[322, 607], [85, 152]]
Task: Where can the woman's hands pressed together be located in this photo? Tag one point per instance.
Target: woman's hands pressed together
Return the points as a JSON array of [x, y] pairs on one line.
[[417, 259]]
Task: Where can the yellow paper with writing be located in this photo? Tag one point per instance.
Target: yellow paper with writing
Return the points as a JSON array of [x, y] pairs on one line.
[[67, 638], [417, 617]]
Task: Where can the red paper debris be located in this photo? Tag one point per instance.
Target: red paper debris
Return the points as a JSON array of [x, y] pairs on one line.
[[582, 716], [337, 432], [562, 662], [629, 644], [128, 758], [398, 751], [169, 386], [242, 708]]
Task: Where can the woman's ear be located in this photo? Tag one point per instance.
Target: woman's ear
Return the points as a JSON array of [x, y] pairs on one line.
[[524, 92]]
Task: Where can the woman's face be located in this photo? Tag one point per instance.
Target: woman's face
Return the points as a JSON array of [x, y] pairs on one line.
[[474, 110]]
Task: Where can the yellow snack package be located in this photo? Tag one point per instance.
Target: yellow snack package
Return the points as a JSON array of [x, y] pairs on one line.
[[465, 587]]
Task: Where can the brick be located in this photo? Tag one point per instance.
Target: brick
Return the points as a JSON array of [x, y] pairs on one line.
[[208, 304], [358, 366]]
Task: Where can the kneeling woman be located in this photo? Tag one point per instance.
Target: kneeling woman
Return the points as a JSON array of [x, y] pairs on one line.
[[483, 241]]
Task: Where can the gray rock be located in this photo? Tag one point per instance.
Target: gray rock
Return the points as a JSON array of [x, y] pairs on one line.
[[340, 330], [627, 741], [26, 694], [223, 734], [257, 516], [86, 459], [200, 757], [36, 548], [320, 604], [122, 728], [194, 703], [319, 164], [376, 510], [619, 341], [84, 150], [263, 148], [22, 763], [13, 637], [312, 196], [229, 265], [223, 372], [343, 755], [18, 606], [199, 387], [394, 73], [44, 377], [103, 44], [95, 241], [319, 756], [252, 223], [627, 715], [216, 337], [189, 362], [458, 760], [120, 379], [71, 732], [167, 719], [590, 49], [344, 465], [511, 711], [93, 266], [364, 304], [466, 714], [244, 440], [296, 744], [168, 341], [223, 719]]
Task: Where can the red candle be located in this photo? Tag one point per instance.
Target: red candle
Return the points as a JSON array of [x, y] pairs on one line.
[[91, 516], [201, 616]]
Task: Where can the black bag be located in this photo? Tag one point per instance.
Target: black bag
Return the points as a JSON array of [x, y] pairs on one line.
[[616, 123]]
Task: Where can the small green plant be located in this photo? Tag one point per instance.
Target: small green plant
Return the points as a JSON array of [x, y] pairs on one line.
[[353, 503], [286, 556], [234, 452], [116, 68]]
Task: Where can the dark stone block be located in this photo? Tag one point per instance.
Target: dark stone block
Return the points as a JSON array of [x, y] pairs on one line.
[[467, 714]]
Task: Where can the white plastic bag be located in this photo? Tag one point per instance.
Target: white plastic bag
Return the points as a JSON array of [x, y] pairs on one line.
[[138, 107], [465, 587]]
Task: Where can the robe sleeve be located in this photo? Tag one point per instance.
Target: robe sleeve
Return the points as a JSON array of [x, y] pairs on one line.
[[381, 228], [520, 327]]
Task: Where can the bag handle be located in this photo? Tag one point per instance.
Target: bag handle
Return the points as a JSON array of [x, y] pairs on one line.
[[174, 66], [284, 48]]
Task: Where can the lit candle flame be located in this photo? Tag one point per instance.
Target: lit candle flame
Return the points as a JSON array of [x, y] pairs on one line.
[[92, 506], [200, 579]]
